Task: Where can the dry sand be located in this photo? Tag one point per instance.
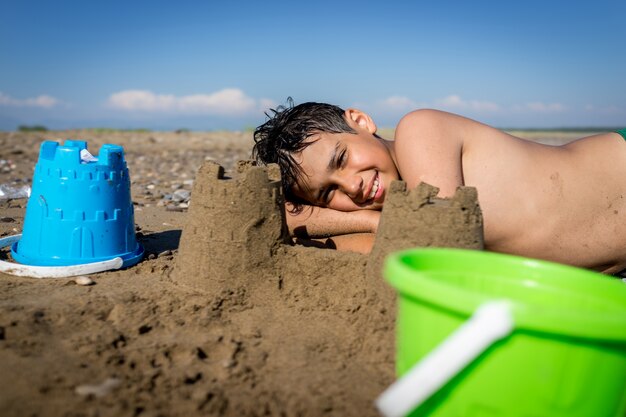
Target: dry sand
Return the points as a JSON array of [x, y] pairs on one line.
[[246, 325]]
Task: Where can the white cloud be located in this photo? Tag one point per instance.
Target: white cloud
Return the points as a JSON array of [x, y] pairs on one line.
[[43, 100], [140, 100], [452, 102], [455, 102], [610, 110], [399, 103], [540, 107], [229, 101]]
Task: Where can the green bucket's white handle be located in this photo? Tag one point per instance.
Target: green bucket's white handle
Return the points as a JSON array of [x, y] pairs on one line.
[[490, 322]]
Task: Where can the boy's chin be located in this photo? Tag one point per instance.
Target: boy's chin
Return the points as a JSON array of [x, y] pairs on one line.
[[373, 205], [370, 205]]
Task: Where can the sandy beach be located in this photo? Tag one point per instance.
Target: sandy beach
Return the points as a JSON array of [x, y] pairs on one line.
[[307, 333]]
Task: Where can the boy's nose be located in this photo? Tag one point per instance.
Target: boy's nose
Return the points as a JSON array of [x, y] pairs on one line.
[[352, 185]]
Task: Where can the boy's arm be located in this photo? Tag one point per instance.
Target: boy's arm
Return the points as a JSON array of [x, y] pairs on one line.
[[355, 242], [429, 148], [312, 221]]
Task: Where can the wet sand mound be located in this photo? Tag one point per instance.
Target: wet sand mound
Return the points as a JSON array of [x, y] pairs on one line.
[[324, 320]]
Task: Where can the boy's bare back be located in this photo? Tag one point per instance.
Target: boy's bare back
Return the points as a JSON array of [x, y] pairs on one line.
[[565, 204]]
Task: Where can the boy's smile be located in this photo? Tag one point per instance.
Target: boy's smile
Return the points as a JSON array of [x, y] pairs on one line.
[[346, 171]]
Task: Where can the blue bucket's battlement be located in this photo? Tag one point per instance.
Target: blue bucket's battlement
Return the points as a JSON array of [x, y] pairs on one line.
[[80, 208], [66, 162]]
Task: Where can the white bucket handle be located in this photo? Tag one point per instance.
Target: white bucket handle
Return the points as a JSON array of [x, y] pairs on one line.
[[490, 322], [53, 271]]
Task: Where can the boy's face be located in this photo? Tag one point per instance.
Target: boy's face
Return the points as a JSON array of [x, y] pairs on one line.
[[347, 171]]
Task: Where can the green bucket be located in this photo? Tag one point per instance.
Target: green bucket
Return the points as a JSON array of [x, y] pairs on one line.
[[560, 349]]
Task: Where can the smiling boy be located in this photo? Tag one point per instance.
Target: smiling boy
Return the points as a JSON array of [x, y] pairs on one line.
[[564, 204]]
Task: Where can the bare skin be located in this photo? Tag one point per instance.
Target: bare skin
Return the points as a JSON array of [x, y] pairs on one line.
[[564, 204]]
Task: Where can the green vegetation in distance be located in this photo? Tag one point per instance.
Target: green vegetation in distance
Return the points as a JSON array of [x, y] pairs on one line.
[[33, 128]]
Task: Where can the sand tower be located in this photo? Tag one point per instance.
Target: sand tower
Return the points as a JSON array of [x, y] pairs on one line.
[[418, 218], [234, 227]]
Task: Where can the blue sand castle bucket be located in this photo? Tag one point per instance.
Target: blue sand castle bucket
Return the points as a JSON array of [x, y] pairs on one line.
[[79, 210]]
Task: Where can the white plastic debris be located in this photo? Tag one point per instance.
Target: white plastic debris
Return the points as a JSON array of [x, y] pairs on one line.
[[86, 157], [98, 390], [13, 192]]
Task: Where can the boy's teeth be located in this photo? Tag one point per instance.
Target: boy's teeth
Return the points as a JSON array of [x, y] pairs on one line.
[[374, 189]]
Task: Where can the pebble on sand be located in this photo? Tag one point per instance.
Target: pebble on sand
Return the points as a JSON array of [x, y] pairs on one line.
[[83, 280]]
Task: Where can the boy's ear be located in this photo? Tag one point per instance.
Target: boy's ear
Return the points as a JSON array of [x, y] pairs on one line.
[[362, 119]]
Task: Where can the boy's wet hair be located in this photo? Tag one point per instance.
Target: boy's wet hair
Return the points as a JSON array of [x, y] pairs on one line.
[[286, 132]]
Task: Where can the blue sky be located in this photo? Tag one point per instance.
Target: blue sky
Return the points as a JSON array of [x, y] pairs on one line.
[[208, 65]]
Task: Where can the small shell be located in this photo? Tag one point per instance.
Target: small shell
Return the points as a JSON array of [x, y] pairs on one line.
[[84, 281]]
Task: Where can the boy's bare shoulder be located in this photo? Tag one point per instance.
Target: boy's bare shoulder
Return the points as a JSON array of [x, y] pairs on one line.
[[421, 118], [429, 127], [427, 149]]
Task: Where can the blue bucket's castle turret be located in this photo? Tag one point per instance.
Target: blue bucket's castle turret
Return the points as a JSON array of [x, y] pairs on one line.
[[80, 210]]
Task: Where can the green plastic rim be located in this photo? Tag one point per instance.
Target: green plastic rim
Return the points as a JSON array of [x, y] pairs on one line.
[[544, 296]]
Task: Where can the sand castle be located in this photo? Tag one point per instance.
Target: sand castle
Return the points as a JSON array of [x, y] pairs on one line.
[[326, 312], [237, 225], [417, 218]]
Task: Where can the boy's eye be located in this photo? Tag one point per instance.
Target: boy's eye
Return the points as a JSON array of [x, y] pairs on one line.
[[343, 158], [326, 194]]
